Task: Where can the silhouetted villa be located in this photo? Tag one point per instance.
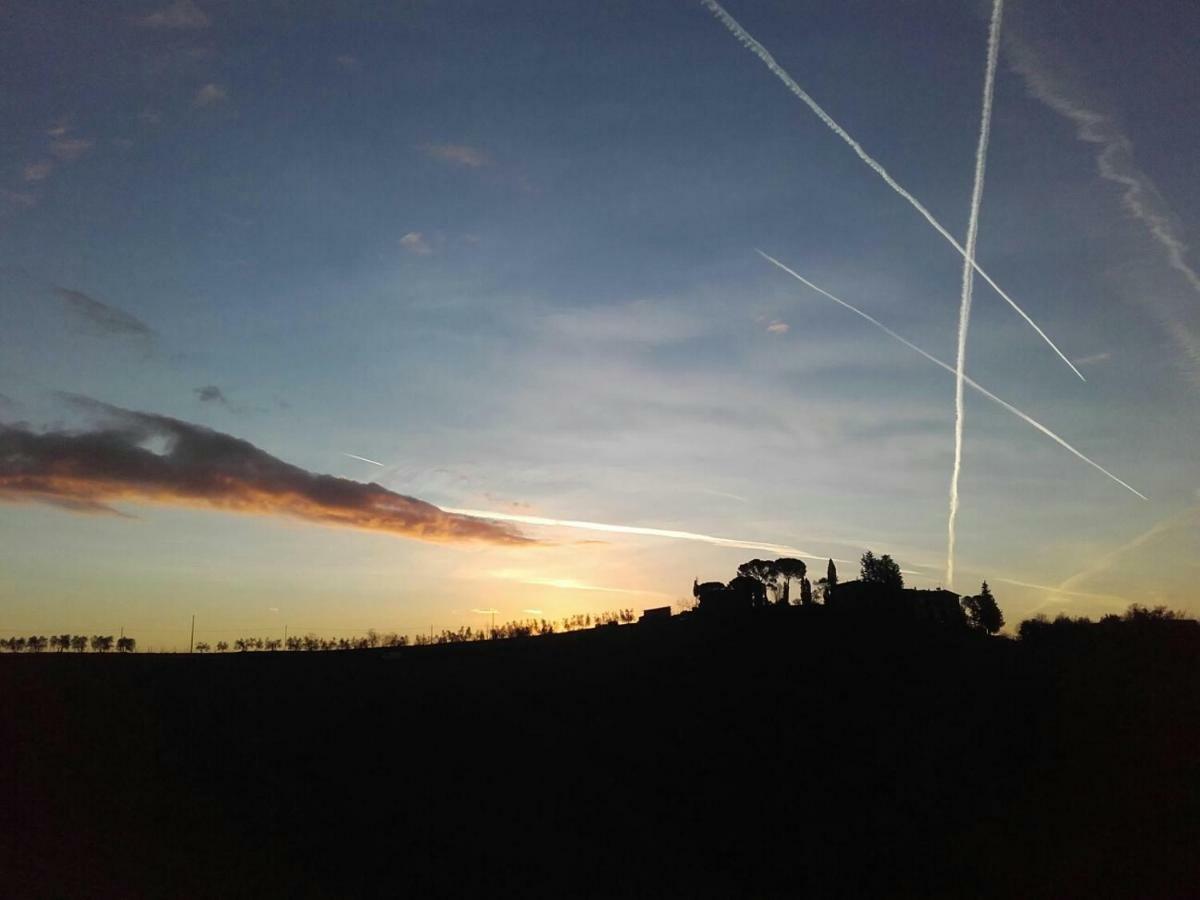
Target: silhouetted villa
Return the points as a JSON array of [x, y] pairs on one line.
[[657, 614], [876, 600]]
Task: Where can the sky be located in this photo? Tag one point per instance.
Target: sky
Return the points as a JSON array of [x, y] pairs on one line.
[[509, 252]]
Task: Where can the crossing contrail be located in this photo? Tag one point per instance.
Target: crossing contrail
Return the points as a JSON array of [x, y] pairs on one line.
[[762, 53], [978, 387], [968, 280], [634, 529]]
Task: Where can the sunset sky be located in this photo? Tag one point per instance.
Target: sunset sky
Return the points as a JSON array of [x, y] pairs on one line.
[[508, 251]]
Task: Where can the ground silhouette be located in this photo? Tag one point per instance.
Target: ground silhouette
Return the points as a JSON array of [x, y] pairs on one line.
[[785, 751]]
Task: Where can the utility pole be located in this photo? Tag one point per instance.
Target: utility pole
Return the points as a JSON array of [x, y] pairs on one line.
[[192, 637]]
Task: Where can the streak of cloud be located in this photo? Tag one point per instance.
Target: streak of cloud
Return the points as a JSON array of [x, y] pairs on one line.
[[210, 95], [1024, 417], [414, 242], [108, 319], [38, 171], [210, 393], [121, 460], [363, 459], [458, 154], [180, 15], [634, 529], [968, 279], [1092, 359], [70, 149], [763, 54], [1115, 162], [1105, 562]]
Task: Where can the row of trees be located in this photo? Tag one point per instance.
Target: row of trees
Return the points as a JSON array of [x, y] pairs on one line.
[[60, 643], [80, 643]]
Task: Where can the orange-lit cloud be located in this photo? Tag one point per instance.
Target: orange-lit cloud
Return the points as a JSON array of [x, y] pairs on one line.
[[141, 457]]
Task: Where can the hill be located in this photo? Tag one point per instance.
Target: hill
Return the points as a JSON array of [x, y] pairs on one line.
[[782, 753]]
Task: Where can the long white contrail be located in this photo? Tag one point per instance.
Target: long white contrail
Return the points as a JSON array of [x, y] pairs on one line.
[[633, 529], [968, 280], [978, 387], [762, 53]]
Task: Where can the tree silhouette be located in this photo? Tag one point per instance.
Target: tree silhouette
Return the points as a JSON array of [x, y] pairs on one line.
[[830, 581], [35, 644], [806, 595], [126, 645], [764, 571], [101, 643], [79, 643], [786, 570], [202, 647], [222, 646], [982, 611], [882, 570]]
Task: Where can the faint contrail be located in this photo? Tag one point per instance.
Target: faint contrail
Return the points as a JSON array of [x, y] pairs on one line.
[[933, 359], [761, 52], [364, 459], [633, 529], [968, 280]]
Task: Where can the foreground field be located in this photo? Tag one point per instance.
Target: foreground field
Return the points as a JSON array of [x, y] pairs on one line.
[[785, 754]]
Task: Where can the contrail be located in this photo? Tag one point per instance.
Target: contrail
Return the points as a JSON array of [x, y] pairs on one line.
[[968, 280], [634, 529], [364, 459], [762, 53], [933, 359]]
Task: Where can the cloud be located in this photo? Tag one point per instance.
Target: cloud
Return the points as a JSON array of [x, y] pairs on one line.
[[1115, 162], [22, 199], [181, 14], [458, 154], [210, 95], [779, 328], [107, 319], [1093, 359], [70, 149], [37, 171], [210, 393], [148, 458], [414, 242]]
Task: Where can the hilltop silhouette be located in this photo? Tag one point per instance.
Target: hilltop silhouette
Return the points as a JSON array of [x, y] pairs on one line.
[[857, 738]]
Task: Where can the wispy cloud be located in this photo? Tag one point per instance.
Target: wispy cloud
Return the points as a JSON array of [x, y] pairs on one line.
[[779, 328], [210, 95], [70, 149], [147, 458], [38, 171], [182, 14], [1093, 359], [458, 154], [102, 316], [210, 393], [1116, 163], [414, 242]]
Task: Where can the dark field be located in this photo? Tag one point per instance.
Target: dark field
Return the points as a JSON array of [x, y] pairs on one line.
[[789, 754]]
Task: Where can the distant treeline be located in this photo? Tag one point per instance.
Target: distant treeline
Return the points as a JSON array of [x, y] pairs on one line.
[[76, 643], [312, 642]]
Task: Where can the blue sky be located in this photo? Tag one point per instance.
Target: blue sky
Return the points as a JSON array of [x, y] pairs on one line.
[[508, 249]]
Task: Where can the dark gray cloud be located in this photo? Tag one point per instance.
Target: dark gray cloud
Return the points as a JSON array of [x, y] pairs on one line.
[[103, 317], [144, 457], [210, 393]]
